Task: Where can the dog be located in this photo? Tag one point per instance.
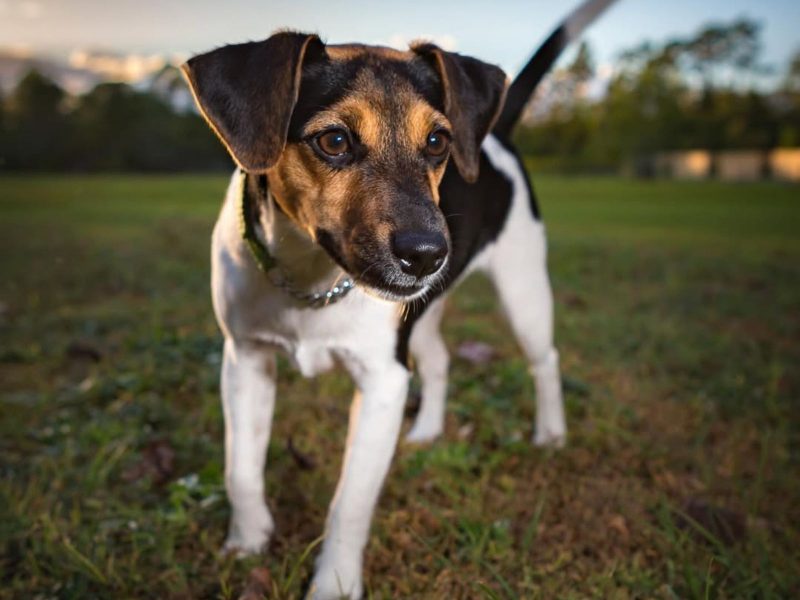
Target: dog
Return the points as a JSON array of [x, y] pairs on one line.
[[369, 181]]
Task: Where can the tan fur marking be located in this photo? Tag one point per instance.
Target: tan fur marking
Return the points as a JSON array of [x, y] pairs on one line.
[[422, 119], [359, 203], [355, 113], [365, 114], [434, 179], [313, 195], [350, 51]]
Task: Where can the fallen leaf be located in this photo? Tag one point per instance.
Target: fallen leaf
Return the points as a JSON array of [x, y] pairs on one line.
[[476, 353], [572, 385], [83, 351], [618, 524], [465, 431], [157, 462], [303, 461], [573, 300], [259, 583], [704, 519]]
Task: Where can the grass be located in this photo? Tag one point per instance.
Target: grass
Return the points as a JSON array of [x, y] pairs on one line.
[[678, 320]]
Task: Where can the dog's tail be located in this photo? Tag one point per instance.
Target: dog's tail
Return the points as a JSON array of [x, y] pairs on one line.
[[525, 83]]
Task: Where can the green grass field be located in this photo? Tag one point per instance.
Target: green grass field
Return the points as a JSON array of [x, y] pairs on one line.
[[678, 320]]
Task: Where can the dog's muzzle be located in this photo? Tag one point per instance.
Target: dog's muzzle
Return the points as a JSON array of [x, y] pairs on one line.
[[419, 254]]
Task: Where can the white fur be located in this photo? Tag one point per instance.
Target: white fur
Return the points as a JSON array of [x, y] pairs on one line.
[[518, 268], [432, 361], [517, 264], [359, 332]]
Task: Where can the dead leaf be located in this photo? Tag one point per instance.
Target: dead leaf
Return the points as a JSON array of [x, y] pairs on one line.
[[476, 353], [157, 462], [618, 524], [573, 301], [259, 583], [83, 351], [465, 431], [703, 519], [666, 480], [303, 461], [573, 385]]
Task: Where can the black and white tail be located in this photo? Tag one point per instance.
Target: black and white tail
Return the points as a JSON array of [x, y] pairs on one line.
[[525, 83]]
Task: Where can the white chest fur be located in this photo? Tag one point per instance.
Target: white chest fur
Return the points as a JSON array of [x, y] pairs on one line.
[[359, 330]]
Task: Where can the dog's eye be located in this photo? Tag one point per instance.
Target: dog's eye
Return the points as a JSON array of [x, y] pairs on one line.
[[334, 142], [437, 143]]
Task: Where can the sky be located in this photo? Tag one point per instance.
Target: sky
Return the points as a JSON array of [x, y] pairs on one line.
[[504, 32]]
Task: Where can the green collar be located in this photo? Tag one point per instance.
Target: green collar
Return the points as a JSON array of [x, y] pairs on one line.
[[247, 227], [267, 263]]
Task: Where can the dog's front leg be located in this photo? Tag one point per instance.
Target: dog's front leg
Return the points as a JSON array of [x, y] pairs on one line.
[[375, 418], [248, 399]]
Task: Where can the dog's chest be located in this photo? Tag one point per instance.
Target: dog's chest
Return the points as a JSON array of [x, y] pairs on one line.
[[359, 331], [309, 356]]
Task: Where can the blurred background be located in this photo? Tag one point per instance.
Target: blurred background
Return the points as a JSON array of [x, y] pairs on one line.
[[664, 152], [676, 91]]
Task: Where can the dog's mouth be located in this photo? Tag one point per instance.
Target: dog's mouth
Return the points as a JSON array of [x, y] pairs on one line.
[[381, 273], [393, 285], [395, 293]]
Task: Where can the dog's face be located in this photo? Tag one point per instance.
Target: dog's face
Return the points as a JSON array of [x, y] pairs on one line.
[[354, 141]]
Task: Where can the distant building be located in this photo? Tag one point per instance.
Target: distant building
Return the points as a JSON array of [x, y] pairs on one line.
[[688, 164], [741, 165], [784, 164], [729, 165]]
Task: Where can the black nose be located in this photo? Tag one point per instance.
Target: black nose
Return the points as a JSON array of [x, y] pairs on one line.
[[419, 253]]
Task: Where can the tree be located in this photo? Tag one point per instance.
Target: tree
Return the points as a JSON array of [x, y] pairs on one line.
[[37, 127], [123, 129], [717, 49], [791, 81], [789, 104], [689, 92]]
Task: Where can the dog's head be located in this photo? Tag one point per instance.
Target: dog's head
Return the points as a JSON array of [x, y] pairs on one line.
[[354, 141]]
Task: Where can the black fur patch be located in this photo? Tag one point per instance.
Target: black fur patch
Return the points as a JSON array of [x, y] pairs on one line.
[[525, 83], [475, 214], [325, 82], [532, 202]]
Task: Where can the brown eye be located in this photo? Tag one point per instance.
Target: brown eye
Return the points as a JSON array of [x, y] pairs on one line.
[[437, 144], [334, 142]]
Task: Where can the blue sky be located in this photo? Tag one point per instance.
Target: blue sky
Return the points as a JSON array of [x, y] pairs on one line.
[[503, 32]]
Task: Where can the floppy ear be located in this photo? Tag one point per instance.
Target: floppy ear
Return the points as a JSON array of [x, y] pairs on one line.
[[474, 92], [247, 93]]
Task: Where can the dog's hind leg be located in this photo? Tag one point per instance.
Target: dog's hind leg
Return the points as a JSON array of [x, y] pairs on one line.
[[432, 361], [248, 399], [518, 267]]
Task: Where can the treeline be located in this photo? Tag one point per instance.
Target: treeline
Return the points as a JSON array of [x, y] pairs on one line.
[[698, 92], [114, 127]]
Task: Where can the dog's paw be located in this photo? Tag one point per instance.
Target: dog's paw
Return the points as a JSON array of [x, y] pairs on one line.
[[249, 537], [422, 433], [550, 439], [333, 582], [240, 548]]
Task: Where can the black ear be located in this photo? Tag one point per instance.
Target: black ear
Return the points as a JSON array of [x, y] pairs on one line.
[[247, 93], [474, 92]]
